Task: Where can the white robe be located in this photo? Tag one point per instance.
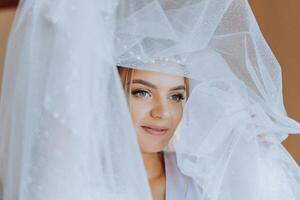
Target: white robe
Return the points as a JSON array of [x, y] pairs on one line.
[[178, 185]]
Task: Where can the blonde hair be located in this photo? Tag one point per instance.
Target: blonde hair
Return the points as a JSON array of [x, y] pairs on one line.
[[127, 82]]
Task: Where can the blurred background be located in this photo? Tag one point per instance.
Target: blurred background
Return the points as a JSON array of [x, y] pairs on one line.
[[280, 23]]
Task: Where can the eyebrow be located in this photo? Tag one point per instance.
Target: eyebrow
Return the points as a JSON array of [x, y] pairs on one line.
[[151, 85]]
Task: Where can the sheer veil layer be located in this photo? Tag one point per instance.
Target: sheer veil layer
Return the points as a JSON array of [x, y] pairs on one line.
[[65, 128]]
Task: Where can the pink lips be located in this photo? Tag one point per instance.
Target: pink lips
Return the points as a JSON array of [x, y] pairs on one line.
[[156, 130]]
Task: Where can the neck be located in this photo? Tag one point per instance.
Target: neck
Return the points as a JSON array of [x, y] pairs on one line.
[[154, 164]]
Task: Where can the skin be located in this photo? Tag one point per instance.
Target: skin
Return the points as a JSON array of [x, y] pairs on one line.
[[158, 105], [155, 99]]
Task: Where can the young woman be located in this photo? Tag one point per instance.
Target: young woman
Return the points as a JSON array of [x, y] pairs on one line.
[[156, 101], [66, 132]]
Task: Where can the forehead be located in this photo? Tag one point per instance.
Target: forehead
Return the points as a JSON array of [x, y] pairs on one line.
[[160, 79]]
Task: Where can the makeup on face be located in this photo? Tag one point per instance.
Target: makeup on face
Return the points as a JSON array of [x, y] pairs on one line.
[[156, 130], [156, 103], [144, 91]]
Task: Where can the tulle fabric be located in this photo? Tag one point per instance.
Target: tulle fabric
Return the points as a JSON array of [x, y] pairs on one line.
[[66, 131], [61, 100], [235, 100]]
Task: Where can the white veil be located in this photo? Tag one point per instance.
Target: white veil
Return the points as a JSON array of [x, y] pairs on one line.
[[65, 129]]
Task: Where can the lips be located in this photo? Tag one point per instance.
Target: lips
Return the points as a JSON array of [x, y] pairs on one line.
[[156, 130]]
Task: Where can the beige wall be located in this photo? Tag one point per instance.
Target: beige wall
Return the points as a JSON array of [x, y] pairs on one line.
[[280, 23], [6, 17]]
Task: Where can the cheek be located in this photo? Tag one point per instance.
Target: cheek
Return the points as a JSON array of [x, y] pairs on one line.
[[176, 113], [139, 110]]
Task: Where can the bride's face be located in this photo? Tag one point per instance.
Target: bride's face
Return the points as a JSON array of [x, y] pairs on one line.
[[156, 103]]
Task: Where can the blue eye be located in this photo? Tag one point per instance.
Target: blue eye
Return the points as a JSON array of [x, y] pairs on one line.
[[177, 97], [140, 93]]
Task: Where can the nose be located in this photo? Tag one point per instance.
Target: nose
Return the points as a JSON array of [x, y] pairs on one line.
[[160, 109]]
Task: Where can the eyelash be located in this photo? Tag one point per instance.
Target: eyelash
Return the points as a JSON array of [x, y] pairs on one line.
[[136, 92], [179, 96]]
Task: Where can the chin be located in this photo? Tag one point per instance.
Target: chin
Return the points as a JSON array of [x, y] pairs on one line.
[[152, 148]]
